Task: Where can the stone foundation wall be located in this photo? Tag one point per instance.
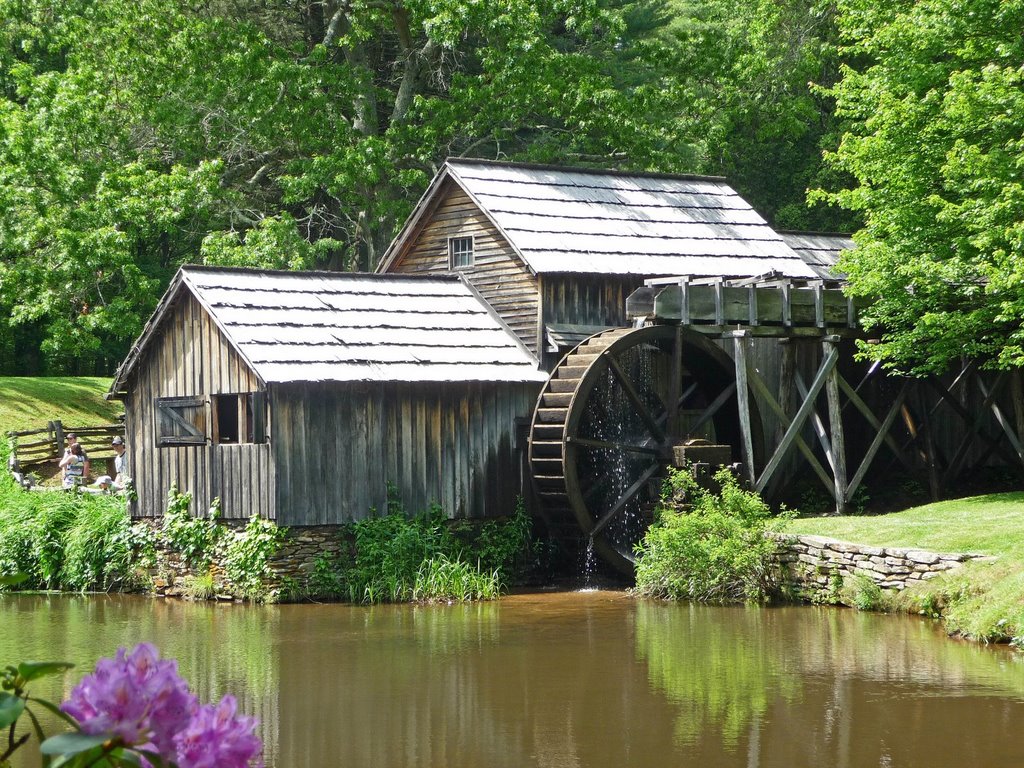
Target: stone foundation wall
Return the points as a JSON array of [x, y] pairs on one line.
[[297, 557], [810, 563]]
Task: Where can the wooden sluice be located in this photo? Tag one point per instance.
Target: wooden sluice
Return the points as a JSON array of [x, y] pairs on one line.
[[863, 418]]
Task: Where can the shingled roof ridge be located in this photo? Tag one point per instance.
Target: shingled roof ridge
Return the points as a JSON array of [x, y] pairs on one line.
[[582, 169], [323, 273]]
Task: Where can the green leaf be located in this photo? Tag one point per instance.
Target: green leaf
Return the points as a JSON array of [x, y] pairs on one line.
[[12, 579], [11, 707], [54, 709], [68, 744], [33, 670]]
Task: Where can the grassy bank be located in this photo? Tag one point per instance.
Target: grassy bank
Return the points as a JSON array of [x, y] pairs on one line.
[[983, 601], [29, 402]]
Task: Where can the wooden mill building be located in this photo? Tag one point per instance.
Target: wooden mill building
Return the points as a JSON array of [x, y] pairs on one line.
[[301, 397], [556, 251]]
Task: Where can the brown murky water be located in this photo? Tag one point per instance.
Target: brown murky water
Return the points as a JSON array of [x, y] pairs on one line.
[[591, 679]]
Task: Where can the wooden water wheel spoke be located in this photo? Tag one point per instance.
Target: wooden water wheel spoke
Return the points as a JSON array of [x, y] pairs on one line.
[[607, 421], [634, 397], [624, 500]]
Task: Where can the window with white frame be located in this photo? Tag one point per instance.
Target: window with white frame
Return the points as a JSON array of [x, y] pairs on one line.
[[460, 252]]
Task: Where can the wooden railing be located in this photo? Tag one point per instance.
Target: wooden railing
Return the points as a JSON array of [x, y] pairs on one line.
[[35, 448]]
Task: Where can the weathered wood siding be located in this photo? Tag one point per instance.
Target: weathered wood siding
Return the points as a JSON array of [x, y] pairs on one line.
[[339, 446], [497, 272], [189, 357], [587, 299]]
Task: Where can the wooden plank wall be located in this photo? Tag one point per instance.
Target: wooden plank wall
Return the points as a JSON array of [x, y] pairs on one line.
[[497, 273], [190, 357], [587, 299], [338, 447]]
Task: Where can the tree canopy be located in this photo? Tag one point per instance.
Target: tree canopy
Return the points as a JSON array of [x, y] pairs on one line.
[[137, 136], [932, 97]]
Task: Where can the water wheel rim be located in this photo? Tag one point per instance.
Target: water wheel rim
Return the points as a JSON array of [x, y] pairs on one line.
[[719, 369]]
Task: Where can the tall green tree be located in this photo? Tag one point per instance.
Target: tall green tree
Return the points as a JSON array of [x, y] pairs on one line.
[[933, 96], [138, 135], [753, 80]]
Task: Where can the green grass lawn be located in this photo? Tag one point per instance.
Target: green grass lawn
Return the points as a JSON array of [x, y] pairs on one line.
[[992, 524], [30, 402], [982, 600]]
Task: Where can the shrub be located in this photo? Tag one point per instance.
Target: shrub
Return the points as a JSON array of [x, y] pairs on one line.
[[247, 555], [397, 558], [864, 594], [705, 546], [194, 538]]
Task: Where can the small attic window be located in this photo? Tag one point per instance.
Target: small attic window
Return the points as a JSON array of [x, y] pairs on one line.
[[460, 252]]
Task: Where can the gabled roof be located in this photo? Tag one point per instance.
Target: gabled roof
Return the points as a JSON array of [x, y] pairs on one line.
[[574, 220], [820, 251], [329, 326]]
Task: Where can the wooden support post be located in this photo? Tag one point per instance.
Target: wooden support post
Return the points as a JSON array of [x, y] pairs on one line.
[[743, 400], [1017, 397], [719, 302], [830, 345], [787, 368], [931, 463], [674, 417], [58, 438]]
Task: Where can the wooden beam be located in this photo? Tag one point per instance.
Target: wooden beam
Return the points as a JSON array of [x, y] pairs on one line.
[[881, 435], [817, 423], [629, 494], [1003, 423], [743, 402], [861, 406], [835, 420], [798, 420], [634, 398], [762, 389]]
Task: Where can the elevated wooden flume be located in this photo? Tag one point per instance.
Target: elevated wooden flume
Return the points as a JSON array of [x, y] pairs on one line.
[[766, 366]]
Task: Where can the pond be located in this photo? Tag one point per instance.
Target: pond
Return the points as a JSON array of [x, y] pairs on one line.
[[588, 679]]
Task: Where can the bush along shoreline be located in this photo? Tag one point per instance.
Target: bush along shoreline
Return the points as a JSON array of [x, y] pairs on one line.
[[88, 542], [725, 547]]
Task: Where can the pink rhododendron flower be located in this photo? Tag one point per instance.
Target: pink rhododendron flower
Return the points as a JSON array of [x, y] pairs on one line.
[[218, 737], [136, 696]]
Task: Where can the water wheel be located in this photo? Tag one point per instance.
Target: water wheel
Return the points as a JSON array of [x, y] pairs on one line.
[[607, 423]]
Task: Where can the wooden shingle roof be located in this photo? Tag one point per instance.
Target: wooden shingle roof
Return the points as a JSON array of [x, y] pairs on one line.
[[343, 327], [819, 251], [572, 220]]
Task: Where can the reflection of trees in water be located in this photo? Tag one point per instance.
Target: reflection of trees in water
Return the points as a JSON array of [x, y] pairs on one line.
[[219, 648], [563, 680], [806, 686], [719, 666]]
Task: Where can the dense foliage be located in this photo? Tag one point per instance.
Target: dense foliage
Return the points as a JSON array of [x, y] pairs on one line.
[[426, 557], [136, 136], [933, 102], [706, 546], [70, 541]]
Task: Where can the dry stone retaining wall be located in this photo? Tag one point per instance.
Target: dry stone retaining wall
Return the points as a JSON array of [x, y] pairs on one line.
[[812, 562], [293, 563]]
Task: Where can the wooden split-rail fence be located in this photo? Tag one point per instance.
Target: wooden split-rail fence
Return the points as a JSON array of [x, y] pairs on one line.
[[40, 450]]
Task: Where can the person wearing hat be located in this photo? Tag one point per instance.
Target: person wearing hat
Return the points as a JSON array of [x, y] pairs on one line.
[[116, 483]]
